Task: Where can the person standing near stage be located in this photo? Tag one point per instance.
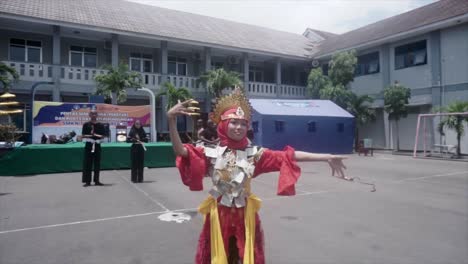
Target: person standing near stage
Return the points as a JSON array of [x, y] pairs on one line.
[[92, 134], [137, 136]]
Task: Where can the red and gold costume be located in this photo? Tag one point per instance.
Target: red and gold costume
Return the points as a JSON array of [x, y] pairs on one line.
[[232, 227]]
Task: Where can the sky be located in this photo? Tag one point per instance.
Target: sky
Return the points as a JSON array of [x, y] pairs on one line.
[[336, 16]]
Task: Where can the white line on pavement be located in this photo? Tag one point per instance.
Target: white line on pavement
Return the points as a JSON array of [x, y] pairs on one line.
[[304, 193], [92, 221], [433, 176], [79, 222], [145, 193]]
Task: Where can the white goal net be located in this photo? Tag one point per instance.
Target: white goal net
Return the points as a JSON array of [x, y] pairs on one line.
[[434, 140]]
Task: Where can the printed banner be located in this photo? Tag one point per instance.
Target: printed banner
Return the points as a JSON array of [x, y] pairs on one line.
[[55, 118]]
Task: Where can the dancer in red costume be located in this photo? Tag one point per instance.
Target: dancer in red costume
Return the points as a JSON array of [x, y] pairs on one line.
[[232, 231]]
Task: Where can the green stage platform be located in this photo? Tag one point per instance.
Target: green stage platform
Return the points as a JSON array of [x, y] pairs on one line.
[[41, 159]]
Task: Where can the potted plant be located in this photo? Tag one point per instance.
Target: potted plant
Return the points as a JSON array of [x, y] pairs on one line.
[[8, 135]]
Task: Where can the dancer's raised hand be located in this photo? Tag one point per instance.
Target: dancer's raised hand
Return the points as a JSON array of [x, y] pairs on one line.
[[183, 108]]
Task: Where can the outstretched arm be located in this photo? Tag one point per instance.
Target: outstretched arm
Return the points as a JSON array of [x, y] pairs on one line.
[[334, 161], [181, 108]]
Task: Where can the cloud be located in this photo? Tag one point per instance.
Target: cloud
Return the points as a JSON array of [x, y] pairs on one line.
[[336, 16]]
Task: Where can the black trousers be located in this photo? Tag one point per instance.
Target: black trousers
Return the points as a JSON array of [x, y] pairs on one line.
[[89, 160], [137, 158]]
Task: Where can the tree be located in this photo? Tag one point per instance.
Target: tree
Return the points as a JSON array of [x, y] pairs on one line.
[[8, 133], [336, 93], [342, 67], [219, 79], [316, 82], [454, 122], [359, 106], [396, 99], [114, 84], [174, 94], [333, 87], [7, 76]]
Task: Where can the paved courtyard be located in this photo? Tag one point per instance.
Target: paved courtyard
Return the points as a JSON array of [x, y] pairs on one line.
[[419, 214]]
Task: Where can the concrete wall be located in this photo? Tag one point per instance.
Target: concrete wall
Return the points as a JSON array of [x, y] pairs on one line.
[[374, 130], [370, 83], [454, 55], [412, 77], [407, 129]]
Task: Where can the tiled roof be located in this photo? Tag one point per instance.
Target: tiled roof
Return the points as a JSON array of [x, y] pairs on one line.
[[132, 17], [323, 34], [413, 19], [124, 16]]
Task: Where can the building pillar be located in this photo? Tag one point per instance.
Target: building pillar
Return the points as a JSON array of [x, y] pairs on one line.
[[245, 61], [207, 52], [436, 68], [387, 131], [163, 67], [164, 59], [278, 76], [56, 48], [385, 66], [208, 98], [115, 51], [438, 95]]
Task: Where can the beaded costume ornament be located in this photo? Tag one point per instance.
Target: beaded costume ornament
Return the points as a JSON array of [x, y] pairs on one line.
[[235, 105]]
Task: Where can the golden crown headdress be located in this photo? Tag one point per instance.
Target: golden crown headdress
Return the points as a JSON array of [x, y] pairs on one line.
[[235, 99]]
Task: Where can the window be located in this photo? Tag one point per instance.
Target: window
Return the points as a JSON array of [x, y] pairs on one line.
[[177, 66], [255, 74], [83, 56], [311, 127], [340, 127], [409, 55], [25, 50], [279, 126], [367, 64], [255, 126], [141, 62]]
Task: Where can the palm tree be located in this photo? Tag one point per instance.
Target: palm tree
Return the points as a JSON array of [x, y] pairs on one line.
[[454, 122], [7, 73], [114, 84], [174, 94], [359, 106], [219, 79]]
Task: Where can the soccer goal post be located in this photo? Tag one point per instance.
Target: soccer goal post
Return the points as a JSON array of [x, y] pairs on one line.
[[429, 140]]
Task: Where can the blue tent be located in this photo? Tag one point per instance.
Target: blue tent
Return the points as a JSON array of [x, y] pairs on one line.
[[309, 125]]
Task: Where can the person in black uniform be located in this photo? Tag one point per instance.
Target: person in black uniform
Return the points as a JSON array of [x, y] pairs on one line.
[[92, 133], [137, 136]]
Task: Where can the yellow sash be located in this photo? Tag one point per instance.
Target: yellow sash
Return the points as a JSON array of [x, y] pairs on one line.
[[218, 254]]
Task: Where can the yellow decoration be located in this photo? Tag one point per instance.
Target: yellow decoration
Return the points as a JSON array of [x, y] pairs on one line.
[[218, 254], [9, 103], [235, 99], [7, 95], [13, 111], [253, 205]]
